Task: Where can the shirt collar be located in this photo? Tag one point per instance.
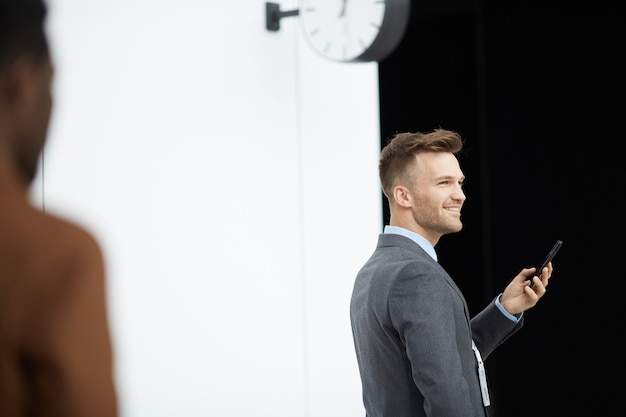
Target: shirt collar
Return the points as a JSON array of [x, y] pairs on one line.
[[419, 239]]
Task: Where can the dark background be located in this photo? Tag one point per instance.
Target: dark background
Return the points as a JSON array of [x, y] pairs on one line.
[[536, 92]]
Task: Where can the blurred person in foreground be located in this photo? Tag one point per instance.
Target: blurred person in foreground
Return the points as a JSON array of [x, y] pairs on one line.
[[419, 352], [55, 345]]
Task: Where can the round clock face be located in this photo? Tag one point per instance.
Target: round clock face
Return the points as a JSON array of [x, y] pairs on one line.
[[342, 30]]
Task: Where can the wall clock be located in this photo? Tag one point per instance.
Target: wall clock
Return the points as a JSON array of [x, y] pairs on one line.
[[349, 30]]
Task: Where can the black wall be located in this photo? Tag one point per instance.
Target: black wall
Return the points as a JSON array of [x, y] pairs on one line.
[[536, 91]]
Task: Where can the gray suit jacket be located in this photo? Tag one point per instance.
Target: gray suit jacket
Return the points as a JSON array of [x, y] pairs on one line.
[[413, 335]]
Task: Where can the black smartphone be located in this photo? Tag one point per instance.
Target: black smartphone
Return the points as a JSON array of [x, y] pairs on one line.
[[549, 256]]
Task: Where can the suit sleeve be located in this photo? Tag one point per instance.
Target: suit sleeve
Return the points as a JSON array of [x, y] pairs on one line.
[[491, 328]]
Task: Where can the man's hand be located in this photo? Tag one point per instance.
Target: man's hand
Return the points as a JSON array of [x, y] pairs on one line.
[[519, 296]]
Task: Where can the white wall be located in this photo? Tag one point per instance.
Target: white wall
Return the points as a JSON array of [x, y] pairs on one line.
[[230, 175]]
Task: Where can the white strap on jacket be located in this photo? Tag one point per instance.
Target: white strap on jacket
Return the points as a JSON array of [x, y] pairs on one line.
[[482, 376]]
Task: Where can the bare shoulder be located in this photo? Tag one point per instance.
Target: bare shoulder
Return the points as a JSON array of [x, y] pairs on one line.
[[61, 236], [47, 258], [44, 240]]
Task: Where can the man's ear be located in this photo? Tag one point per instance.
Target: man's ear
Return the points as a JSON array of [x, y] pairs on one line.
[[18, 86], [402, 196]]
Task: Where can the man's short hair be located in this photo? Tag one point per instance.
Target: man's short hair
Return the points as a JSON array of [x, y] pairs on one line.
[[22, 29]]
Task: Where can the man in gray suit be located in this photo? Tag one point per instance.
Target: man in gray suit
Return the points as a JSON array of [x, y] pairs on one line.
[[419, 352]]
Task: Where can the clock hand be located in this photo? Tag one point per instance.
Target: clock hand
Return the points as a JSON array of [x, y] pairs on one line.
[[342, 13]]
